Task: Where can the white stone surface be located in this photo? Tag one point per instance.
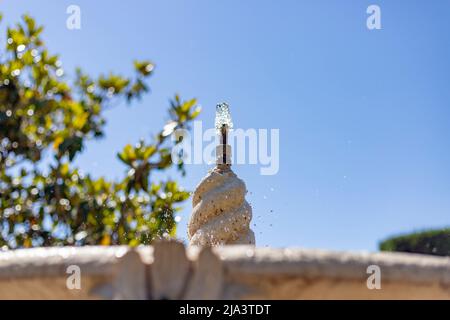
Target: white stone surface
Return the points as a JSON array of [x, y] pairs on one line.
[[230, 272]]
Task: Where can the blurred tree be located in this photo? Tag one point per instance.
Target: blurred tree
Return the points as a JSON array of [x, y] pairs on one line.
[[435, 242], [44, 203]]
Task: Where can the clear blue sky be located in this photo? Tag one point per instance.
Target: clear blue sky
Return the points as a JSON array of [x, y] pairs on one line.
[[364, 116]]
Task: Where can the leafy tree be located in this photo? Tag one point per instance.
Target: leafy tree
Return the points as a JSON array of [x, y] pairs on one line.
[[435, 242], [50, 202]]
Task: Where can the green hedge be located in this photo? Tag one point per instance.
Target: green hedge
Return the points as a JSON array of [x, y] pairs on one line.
[[434, 242]]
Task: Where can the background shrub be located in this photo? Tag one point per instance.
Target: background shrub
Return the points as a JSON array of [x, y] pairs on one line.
[[434, 242]]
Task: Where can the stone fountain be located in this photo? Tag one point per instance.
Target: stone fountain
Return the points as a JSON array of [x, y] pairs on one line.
[[220, 214]]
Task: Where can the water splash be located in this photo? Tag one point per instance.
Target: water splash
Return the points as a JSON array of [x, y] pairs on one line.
[[223, 116]]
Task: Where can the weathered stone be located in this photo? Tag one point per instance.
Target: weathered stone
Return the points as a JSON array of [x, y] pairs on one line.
[[170, 271], [131, 279], [207, 279]]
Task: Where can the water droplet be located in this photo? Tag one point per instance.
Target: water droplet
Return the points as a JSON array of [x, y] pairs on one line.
[[20, 48], [15, 72], [59, 72], [223, 116], [149, 67], [80, 235]]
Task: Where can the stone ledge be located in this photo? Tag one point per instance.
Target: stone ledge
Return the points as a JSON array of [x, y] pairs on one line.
[[335, 264], [170, 271]]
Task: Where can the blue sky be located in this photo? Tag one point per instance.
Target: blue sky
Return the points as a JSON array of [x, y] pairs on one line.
[[364, 116]]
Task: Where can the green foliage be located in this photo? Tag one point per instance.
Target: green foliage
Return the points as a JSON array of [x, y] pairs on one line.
[[434, 242], [44, 202]]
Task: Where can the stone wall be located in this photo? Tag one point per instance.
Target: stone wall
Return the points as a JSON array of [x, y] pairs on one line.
[[168, 270]]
